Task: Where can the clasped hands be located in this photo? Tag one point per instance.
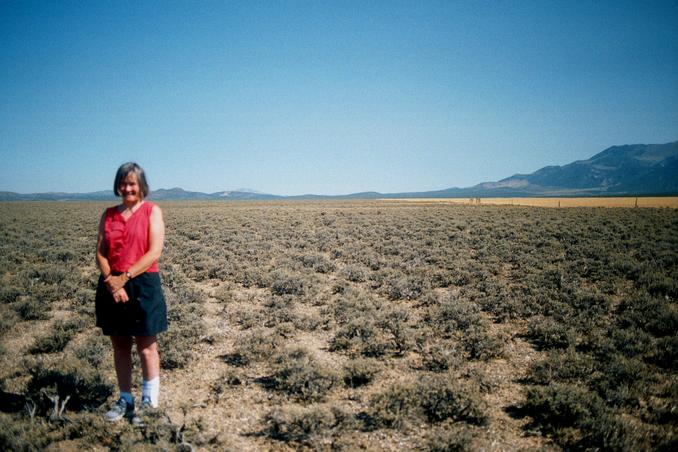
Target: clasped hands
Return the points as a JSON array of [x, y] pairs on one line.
[[115, 285]]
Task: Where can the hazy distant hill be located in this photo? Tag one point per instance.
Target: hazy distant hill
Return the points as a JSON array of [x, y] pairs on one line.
[[180, 194], [636, 169], [161, 194], [57, 196]]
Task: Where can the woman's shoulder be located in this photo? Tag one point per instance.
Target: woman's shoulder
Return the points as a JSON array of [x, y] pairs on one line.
[[150, 205], [152, 209], [111, 210]]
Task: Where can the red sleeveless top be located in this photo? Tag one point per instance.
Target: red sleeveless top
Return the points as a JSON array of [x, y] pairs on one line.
[[127, 240]]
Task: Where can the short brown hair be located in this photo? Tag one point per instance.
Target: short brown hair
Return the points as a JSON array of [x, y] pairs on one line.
[[124, 170]]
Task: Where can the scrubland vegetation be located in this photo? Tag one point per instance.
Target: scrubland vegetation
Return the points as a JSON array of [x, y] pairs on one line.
[[347, 325]]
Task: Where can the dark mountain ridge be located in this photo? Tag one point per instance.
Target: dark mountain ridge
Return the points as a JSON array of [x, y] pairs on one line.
[[629, 169]]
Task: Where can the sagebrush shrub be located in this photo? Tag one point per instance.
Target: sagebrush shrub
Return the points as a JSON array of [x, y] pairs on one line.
[[298, 373], [442, 398], [360, 371], [318, 262], [8, 319], [56, 340], [456, 437], [408, 288], [287, 284], [297, 424], [224, 294], [440, 357], [567, 366], [32, 309], [9, 294], [360, 335], [563, 405], [666, 353], [68, 377], [394, 322], [481, 344], [258, 345], [354, 273], [185, 313], [547, 333], [434, 399], [454, 315], [94, 350], [394, 407]]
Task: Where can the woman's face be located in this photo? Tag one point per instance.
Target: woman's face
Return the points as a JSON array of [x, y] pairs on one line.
[[129, 189]]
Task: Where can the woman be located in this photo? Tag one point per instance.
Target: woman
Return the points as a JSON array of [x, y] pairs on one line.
[[130, 305]]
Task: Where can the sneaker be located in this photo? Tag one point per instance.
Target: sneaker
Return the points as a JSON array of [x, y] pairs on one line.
[[119, 410], [139, 418]]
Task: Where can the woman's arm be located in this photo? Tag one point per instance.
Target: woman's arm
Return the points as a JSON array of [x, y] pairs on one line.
[[156, 241], [102, 261], [102, 251]]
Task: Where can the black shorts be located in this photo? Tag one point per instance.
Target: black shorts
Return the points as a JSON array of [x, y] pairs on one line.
[[145, 314]]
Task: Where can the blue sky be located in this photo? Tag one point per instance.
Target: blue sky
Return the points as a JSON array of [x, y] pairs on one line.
[[293, 97]]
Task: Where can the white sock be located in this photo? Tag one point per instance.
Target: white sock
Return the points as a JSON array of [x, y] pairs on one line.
[[129, 398], [151, 389]]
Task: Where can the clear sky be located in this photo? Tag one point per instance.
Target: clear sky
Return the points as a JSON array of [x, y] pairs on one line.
[[293, 97]]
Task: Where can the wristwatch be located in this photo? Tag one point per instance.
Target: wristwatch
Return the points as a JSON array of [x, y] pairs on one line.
[[129, 275]]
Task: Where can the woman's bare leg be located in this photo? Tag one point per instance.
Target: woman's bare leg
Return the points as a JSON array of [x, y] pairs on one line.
[[147, 346], [150, 366], [122, 357]]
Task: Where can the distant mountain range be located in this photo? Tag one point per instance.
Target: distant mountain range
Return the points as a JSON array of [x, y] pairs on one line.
[[629, 170], [636, 169]]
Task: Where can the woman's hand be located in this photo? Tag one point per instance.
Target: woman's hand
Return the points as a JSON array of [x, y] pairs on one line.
[[120, 296], [115, 283]]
